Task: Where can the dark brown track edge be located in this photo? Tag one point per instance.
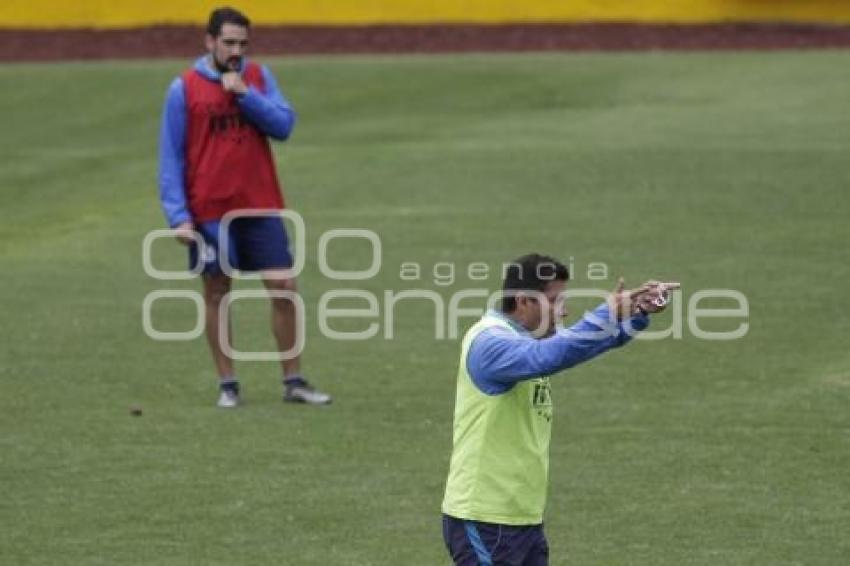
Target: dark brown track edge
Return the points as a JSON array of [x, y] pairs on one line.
[[186, 41]]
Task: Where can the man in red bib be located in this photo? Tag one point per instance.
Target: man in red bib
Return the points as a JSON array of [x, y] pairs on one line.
[[215, 159]]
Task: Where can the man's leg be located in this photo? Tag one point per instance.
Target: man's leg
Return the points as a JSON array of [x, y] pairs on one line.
[[284, 323], [459, 545], [510, 545], [285, 329], [538, 553], [216, 287]]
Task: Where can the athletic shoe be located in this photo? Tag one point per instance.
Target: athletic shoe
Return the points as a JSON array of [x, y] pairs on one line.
[[303, 392], [228, 400]]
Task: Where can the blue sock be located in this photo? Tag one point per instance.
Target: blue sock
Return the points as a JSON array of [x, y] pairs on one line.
[[294, 380], [229, 384]]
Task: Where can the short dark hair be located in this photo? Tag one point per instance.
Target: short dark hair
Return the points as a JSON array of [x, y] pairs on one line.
[[226, 15], [530, 272]]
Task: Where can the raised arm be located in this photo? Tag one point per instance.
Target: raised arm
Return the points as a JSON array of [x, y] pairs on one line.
[[499, 358]]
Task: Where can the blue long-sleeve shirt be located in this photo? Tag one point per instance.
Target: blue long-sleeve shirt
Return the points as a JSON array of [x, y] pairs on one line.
[[268, 110], [499, 358]]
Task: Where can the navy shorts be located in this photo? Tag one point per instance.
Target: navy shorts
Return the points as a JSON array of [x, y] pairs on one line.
[[474, 543], [254, 243]]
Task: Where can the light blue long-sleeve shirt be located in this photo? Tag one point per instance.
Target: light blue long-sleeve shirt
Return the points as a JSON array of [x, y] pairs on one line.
[[268, 110], [499, 358]]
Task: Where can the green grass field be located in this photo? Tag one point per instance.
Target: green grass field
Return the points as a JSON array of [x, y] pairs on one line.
[[721, 170]]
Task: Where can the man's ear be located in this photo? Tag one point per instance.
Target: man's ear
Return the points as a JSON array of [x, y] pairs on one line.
[[209, 40]]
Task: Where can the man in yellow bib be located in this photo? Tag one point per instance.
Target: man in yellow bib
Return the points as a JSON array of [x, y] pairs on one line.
[[496, 489]]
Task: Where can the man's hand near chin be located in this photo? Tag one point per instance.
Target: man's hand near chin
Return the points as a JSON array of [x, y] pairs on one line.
[[232, 82]]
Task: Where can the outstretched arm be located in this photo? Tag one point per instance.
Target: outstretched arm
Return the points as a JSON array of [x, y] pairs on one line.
[[499, 358]]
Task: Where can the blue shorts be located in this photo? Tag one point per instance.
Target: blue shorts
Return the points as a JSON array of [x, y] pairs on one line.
[[254, 243], [474, 543]]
